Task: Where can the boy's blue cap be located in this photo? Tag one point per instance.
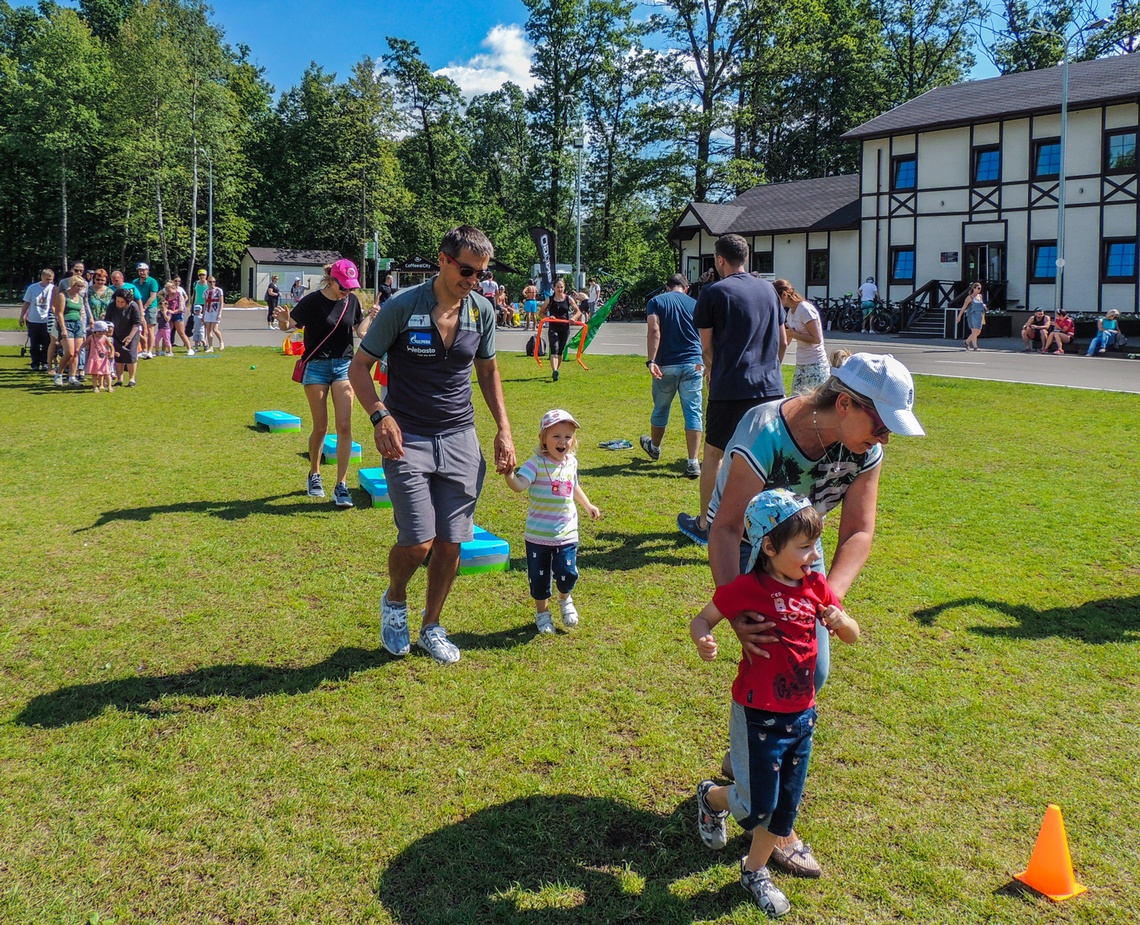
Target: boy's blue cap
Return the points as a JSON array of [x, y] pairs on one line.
[[765, 512]]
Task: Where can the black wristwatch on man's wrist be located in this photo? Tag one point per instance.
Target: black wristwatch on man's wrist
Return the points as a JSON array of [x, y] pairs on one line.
[[378, 415]]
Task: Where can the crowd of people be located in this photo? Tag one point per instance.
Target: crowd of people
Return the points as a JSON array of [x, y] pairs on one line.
[[95, 325], [772, 468], [1054, 334]]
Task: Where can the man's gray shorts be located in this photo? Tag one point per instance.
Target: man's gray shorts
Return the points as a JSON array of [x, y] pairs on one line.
[[435, 486]]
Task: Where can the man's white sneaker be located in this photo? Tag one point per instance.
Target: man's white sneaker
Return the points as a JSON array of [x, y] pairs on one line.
[[433, 640], [394, 626]]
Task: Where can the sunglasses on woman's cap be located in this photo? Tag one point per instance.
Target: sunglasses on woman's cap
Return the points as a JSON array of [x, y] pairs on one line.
[[467, 272]]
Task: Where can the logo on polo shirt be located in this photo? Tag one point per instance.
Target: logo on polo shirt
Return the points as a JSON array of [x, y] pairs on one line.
[[419, 343]]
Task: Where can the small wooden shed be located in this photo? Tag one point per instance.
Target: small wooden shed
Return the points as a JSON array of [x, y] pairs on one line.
[[258, 264]]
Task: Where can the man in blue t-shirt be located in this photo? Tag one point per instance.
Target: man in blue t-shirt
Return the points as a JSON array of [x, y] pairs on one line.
[[433, 335], [673, 347], [741, 324]]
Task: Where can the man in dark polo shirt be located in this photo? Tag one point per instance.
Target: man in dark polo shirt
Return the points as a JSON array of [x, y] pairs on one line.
[[741, 324], [424, 429]]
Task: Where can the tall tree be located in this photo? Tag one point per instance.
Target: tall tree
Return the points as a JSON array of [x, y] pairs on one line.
[[927, 43], [57, 101], [707, 37], [427, 100], [571, 39]]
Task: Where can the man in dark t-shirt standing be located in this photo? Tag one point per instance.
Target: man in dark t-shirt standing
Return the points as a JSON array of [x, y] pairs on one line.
[[433, 334], [741, 324], [272, 297]]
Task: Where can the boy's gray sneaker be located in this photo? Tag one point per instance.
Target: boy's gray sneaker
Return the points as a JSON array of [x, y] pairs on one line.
[[315, 485], [394, 626], [710, 823], [544, 622], [758, 884], [433, 640], [693, 469], [653, 452]]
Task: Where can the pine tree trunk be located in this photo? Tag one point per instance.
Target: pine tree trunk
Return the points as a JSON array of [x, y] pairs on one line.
[[161, 228], [63, 210]]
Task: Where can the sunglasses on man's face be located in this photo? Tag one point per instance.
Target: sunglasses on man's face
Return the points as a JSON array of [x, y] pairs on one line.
[[878, 428], [467, 272]]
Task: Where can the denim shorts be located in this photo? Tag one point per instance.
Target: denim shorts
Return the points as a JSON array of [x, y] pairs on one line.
[[769, 754], [325, 372], [546, 562], [689, 381], [75, 328]]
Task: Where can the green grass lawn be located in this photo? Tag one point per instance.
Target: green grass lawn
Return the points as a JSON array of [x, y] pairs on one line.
[[199, 726]]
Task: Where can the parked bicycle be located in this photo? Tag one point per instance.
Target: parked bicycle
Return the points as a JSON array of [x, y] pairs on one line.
[[886, 318], [849, 316]]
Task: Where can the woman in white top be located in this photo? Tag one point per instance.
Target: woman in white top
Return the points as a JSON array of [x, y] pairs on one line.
[[805, 328]]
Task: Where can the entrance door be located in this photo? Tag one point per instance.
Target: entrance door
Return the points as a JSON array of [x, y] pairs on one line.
[[986, 263]]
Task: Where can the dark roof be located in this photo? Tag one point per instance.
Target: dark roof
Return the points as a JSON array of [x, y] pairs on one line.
[[824, 204], [1091, 83], [292, 255]]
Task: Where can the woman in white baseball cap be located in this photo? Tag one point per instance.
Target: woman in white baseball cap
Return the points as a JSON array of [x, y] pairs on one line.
[[828, 446]]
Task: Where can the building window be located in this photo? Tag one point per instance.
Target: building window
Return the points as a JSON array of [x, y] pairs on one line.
[[902, 265], [1119, 261], [987, 165], [904, 172], [817, 268], [762, 262], [1044, 269], [1047, 159], [1120, 152]]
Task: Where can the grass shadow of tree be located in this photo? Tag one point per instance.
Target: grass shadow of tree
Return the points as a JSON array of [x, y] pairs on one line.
[[1113, 619], [554, 860], [143, 694]]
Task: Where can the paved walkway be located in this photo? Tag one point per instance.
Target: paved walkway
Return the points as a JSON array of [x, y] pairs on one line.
[[999, 360]]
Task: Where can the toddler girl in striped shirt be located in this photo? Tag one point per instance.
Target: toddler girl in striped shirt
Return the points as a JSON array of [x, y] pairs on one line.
[[550, 478]]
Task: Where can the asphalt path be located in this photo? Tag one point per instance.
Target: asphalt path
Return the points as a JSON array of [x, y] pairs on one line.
[[999, 360]]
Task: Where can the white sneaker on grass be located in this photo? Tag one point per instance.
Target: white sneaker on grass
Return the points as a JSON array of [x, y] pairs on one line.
[[710, 823], [769, 897], [394, 626], [544, 622], [569, 612], [433, 640]]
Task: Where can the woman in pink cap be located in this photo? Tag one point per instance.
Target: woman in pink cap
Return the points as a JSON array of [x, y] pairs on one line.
[[330, 316]]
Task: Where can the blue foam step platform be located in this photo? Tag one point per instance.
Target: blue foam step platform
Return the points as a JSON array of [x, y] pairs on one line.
[[278, 422], [484, 553], [328, 451], [373, 481]]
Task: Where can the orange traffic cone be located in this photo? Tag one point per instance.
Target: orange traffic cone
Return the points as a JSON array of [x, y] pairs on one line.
[[1051, 867]]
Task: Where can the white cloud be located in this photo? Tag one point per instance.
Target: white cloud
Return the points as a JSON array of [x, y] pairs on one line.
[[508, 58]]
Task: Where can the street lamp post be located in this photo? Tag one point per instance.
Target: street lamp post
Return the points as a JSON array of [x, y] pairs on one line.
[[1059, 283], [579, 144]]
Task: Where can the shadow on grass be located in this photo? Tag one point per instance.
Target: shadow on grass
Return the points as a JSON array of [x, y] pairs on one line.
[[636, 466], [554, 860], [237, 509], [615, 551], [1112, 619], [143, 694]]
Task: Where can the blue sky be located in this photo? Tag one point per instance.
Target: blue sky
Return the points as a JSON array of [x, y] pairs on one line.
[[487, 44]]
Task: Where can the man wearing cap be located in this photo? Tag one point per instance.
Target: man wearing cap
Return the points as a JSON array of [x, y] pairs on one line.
[[433, 334], [676, 366], [741, 325], [826, 445], [148, 287]]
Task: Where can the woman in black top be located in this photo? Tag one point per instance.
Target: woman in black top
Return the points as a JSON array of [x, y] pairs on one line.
[[558, 306], [330, 316]]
